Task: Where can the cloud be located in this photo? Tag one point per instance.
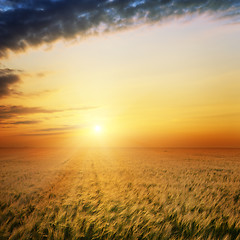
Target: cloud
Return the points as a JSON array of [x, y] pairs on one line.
[[9, 111], [63, 128], [20, 122], [55, 131], [31, 23], [21, 110], [8, 77], [20, 94], [41, 74], [41, 134]]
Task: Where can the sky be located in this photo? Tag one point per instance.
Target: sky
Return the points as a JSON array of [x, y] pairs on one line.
[[148, 73]]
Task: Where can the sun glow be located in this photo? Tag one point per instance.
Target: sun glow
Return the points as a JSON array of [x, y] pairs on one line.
[[97, 129]]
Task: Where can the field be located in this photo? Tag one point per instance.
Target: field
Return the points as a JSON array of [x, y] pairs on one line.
[[119, 194]]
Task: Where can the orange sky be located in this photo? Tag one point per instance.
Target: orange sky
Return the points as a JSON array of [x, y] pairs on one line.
[[171, 85]]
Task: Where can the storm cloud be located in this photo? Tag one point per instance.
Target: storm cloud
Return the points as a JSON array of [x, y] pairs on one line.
[[31, 23]]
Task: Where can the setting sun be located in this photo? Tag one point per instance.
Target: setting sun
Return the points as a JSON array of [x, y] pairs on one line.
[[97, 128]]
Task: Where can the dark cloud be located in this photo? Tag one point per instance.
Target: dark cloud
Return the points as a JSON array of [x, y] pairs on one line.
[[20, 123], [63, 128], [41, 134], [21, 110], [9, 111], [31, 23], [33, 94], [56, 130], [8, 77]]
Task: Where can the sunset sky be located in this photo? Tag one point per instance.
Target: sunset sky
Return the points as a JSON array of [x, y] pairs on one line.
[[148, 73]]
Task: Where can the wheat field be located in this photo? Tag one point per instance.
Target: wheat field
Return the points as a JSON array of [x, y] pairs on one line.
[[120, 194]]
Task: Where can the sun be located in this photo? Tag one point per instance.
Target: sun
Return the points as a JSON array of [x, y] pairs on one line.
[[97, 128]]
